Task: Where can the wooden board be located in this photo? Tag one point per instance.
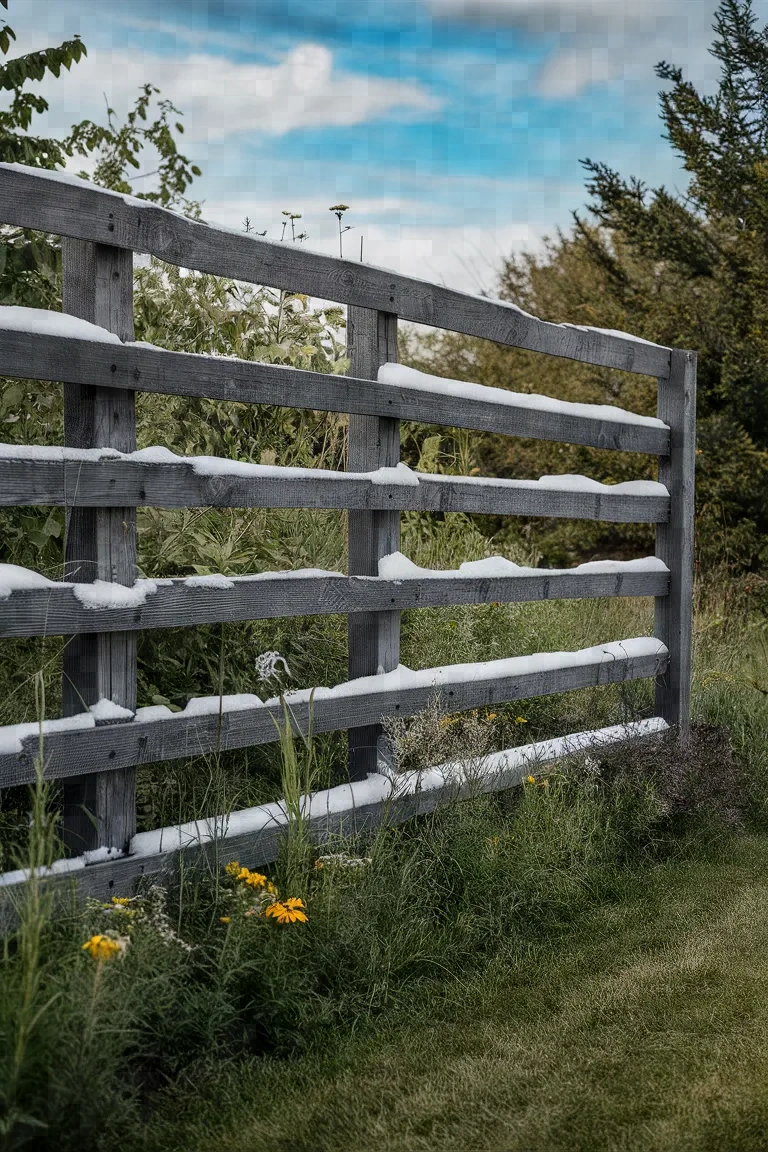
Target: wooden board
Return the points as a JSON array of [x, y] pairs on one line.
[[130, 483], [99, 809], [56, 611], [674, 541], [373, 638], [137, 368], [31, 201], [112, 746]]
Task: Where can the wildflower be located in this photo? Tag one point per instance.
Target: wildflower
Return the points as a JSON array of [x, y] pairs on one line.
[[254, 879], [233, 869], [104, 947], [267, 665], [490, 716], [530, 779], [225, 919], [288, 911], [122, 900], [342, 860], [520, 720]]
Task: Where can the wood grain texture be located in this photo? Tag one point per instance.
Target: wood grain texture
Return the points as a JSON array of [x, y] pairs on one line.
[[132, 483], [674, 541], [31, 201], [138, 368], [113, 746], [99, 809], [57, 612], [373, 638], [124, 876]]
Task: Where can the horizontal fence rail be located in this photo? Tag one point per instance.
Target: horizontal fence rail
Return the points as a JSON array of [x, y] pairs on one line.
[[33, 478], [137, 367], [30, 198], [224, 725], [347, 810], [58, 609]]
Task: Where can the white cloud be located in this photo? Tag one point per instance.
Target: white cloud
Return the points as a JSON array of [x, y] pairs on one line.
[[593, 42], [574, 70], [221, 98], [560, 15]]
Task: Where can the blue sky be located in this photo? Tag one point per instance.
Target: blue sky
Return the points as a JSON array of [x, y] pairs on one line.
[[453, 128]]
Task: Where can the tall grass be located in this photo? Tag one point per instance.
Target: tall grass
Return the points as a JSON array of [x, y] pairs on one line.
[[391, 915]]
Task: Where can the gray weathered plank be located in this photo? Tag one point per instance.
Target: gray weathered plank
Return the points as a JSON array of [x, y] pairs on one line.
[[138, 368], [674, 540], [134, 483], [56, 611], [29, 200], [113, 746], [121, 877], [99, 809], [373, 442]]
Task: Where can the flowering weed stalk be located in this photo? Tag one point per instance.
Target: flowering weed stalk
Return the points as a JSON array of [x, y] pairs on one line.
[[34, 910], [298, 778]]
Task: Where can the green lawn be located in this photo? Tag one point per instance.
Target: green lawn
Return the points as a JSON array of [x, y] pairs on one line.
[[645, 1027]]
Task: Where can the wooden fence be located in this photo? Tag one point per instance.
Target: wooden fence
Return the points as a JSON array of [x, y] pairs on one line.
[[101, 480]]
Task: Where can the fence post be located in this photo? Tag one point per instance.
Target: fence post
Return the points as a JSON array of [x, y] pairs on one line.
[[374, 442], [99, 808], [674, 540]]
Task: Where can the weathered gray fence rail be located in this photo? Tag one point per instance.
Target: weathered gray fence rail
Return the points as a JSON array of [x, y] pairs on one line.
[[101, 489]]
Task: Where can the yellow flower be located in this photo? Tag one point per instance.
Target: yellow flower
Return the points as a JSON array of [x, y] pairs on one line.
[[520, 720], [254, 879], [318, 863], [103, 947], [490, 716], [530, 779], [123, 900], [225, 919], [288, 911], [233, 869], [272, 888]]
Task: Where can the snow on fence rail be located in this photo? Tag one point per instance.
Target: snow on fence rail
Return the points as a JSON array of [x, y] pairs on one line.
[[31, 605], [75, 208], [101, 479], [73, 351]]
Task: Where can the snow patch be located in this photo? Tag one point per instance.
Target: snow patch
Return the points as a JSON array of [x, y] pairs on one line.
[[215, 580], [12, 736], [106, 710], [398, 567], [13, 578], [399, 376], [42, 322], [212, 705]]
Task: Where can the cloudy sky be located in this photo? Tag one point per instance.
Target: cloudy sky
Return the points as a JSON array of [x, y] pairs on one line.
[[453, 128]]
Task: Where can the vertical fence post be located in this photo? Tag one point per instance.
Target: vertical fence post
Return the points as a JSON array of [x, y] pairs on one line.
[[674, 540], [374, 442], [99, 808]]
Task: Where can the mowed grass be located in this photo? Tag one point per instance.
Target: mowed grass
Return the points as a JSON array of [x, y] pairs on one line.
[[643, 1027]]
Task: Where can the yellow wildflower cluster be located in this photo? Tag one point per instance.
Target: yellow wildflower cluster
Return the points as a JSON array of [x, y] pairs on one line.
[[102, 948], [255, 895], [541, 783]]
